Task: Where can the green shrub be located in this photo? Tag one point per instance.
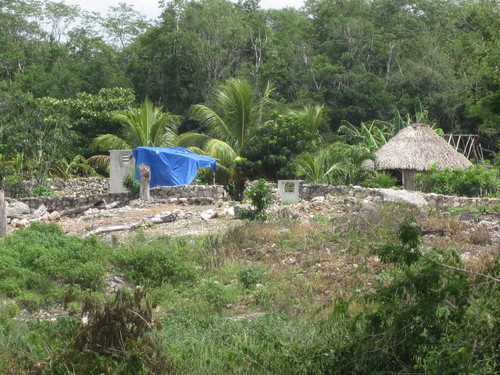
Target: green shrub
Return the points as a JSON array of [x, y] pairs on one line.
[[471, 182], [43, 191], [131, 184], [253, 215], [381, 180], [37, 260], [261, 196], [217, 294], [420, 317], [251, 276], [154, 264], [8, 310]]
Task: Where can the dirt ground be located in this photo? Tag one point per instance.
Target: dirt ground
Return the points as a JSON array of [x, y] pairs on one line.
[[188, 220]]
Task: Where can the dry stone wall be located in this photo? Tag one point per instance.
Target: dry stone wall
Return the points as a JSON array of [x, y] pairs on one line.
[[308, 192], [64, 203], [191, 194], [80, 187], [85, 191], [73, 187]]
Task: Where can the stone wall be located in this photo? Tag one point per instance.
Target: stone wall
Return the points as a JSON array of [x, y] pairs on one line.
[[80, 187], [73, 187], [64, 203], [191, 194], [79, 192], [308, 192]]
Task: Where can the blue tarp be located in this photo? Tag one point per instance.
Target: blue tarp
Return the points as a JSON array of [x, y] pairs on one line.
[[171, 165]]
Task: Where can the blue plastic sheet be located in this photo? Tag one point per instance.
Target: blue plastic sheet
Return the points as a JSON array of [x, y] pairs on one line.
[[171, 165]]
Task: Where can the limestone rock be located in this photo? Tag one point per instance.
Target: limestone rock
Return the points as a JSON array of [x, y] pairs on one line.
[[40, 210], [17, 209], [22, 223], [208, 214], [403, 196], [54, 216], [319, 199]]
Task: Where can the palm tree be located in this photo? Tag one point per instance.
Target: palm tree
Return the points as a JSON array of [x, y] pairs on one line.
[[144, 126], [336, 164], [318, 168], [312, 117], [231, 125]]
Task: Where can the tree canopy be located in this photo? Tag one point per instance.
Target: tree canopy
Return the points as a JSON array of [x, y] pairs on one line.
[[359, 61]]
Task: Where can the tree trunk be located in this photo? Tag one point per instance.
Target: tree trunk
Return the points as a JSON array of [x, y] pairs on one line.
[[3, 214], [145, 172]]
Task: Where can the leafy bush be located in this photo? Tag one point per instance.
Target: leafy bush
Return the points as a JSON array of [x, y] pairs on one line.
[[154, 264], [336, 164], [251, 276], [423, 315], [261, 196], [275, 144], [43, 191], [38, 260], [471, 182], [381, 180], [217, 294], [131, 184]]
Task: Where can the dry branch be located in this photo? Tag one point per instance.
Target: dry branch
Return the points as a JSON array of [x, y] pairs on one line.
[[132, 226]]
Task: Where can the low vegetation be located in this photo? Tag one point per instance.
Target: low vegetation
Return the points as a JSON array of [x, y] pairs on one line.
[[474, 181], [361, 292]]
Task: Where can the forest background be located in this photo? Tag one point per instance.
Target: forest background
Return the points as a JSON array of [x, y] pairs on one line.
[[65, 73]]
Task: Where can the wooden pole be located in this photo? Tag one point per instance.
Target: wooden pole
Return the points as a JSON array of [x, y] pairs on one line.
[[3, 214], [145, 172]]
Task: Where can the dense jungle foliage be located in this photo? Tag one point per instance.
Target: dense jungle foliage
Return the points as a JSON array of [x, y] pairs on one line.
[[365, 68]]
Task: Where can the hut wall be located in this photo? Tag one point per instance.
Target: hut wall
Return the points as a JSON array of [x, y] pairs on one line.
[[408, 179]]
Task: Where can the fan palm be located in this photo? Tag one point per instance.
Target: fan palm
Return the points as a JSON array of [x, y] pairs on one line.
[[231, 124]]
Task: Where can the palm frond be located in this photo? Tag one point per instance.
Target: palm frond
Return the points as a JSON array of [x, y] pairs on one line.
[[99, 161], [189, 140], [221, 151], [312, 116], [108, 142], [209, 118]]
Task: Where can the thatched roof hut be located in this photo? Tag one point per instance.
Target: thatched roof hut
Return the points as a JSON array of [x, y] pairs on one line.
[[413, 150]]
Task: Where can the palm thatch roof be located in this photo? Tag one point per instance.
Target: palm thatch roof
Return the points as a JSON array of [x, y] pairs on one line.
[[417, 147]]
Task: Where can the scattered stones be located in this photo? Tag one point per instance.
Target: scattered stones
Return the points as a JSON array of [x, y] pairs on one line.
[[40, 210], [319, 199], [21, 223], [208, 214], [54, 216]]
